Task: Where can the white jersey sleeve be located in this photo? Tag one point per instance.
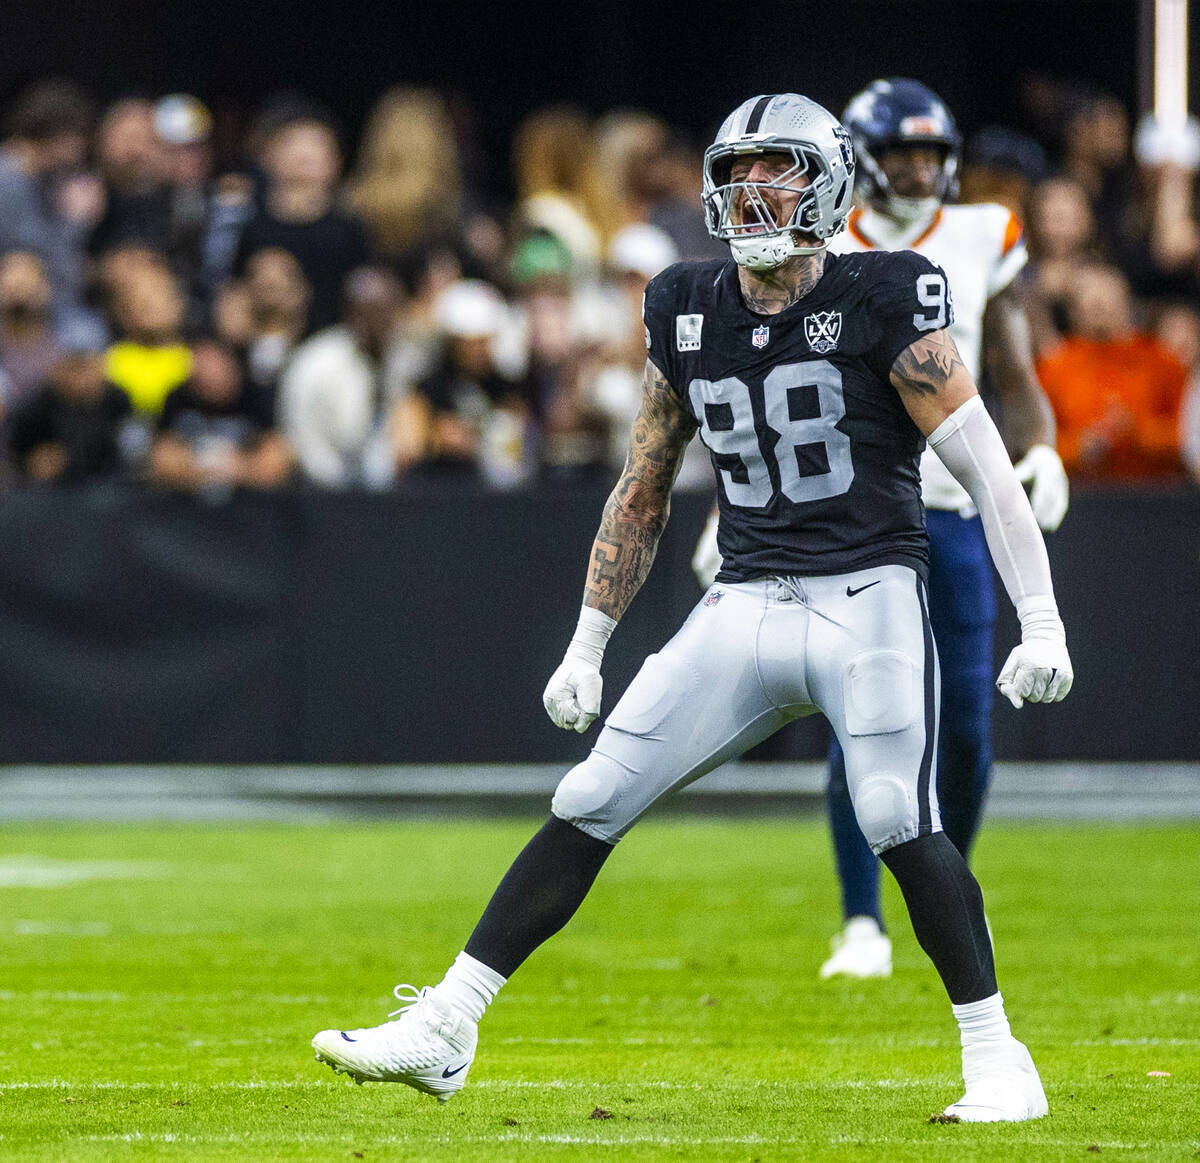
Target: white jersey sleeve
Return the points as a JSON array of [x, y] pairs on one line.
[[1010, 255]]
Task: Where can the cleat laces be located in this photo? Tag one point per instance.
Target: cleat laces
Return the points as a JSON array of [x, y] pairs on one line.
[[413, 997]]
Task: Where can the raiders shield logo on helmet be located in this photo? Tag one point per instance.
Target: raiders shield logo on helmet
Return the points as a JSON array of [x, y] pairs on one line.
[[822, 330]]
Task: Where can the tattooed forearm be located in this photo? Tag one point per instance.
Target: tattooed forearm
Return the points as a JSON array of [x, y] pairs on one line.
[[928, 365], [637, 509], [769, 292]]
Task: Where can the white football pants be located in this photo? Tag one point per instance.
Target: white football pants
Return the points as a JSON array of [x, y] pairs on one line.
[[755, 655]]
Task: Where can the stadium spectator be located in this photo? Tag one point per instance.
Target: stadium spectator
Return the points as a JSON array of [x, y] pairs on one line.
[[217, 431], [548, 330], [473, 420], [539, 328], [263, 316], [132, 163], [613, 384], [341, 397], [1165, 259], [46, 204], [558, 186], [151, 359], [299, 214], [28, 348], [1001, 165], [183, 127], [630, 148], [1062, 238], [1178, 330], [408, 187], [278, 297], [70, 429], [1096, 155], [610, 382], [119, 268], [676, 210], [1116, 392]]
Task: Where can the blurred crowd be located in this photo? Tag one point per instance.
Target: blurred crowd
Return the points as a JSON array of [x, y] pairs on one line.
[[213, 310]]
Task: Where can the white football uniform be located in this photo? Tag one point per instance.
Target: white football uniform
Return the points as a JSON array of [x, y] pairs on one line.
[[981, 248], [753, 656]]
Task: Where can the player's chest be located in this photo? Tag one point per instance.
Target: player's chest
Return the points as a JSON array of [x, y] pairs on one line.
[[752, 347]]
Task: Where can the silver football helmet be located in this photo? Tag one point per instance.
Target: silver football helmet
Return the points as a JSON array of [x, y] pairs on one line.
[[821, 152]]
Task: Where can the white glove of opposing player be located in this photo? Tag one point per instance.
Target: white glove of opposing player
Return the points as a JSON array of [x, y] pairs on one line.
[[1049, 495], [706, 561], [1039, 669], [572, 696]]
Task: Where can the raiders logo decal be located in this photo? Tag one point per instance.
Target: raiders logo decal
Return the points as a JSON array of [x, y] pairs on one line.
[[822, 330]]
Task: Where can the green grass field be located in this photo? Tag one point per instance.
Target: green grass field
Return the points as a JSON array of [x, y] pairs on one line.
[[160, 986]]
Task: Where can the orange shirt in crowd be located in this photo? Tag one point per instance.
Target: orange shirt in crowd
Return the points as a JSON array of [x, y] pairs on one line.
[[1117, 403]]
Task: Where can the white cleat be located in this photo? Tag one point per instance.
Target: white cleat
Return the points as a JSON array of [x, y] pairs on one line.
[[429, 1047], [1003, 1086], [860, 950]]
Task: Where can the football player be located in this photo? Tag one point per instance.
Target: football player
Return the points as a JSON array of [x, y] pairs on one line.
[[907, 148], [813, 379]]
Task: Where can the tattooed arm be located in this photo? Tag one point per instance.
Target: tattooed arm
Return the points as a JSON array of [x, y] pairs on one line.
[[933, 383], [623, 552], [636, 512], [932, 380]]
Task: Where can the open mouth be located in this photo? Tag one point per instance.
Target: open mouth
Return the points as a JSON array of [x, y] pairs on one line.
[[750, 220]]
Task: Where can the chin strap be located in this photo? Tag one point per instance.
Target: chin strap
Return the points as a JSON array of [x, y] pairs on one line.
[[766, 252]]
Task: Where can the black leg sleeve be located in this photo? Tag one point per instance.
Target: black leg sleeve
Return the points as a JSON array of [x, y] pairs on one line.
[[946, 908], [538, 895]]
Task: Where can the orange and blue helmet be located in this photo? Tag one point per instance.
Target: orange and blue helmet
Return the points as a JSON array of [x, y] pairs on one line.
[[898, 111]]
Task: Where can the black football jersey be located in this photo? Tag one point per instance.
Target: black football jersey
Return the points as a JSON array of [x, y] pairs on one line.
[[815, 455]]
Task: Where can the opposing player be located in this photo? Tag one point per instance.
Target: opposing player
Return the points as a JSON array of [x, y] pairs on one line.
[[812, 378], [907, 148]]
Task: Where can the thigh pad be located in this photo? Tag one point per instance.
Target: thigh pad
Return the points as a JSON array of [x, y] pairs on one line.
[[879, 692]]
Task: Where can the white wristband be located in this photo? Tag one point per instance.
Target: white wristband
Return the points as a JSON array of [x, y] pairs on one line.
[[1039, 619], [592, 633]]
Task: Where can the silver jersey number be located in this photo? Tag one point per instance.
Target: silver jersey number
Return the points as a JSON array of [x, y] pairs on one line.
[[727, 427]]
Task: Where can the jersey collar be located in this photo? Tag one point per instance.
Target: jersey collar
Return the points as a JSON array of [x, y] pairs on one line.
[[872, 230]]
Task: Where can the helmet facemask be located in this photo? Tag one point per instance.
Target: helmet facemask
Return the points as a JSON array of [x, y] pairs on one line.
[[755, 238]]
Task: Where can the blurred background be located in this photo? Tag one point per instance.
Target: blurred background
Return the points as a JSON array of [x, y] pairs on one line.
[[320, 340]]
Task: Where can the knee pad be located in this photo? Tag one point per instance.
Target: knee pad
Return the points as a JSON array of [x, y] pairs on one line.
[[885, 811], [588, 795]]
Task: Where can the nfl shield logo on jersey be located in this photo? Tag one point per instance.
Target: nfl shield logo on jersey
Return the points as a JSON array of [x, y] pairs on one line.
[[760, 336], [822, 330]]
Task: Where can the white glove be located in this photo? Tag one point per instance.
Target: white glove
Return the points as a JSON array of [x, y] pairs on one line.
[[1048, 497], [706, 561], [572, 696], [1040, 668]]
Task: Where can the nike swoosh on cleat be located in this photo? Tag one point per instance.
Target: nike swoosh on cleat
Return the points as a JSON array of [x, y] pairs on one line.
[[347, 1036], [448, 1073], [850, 593]]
